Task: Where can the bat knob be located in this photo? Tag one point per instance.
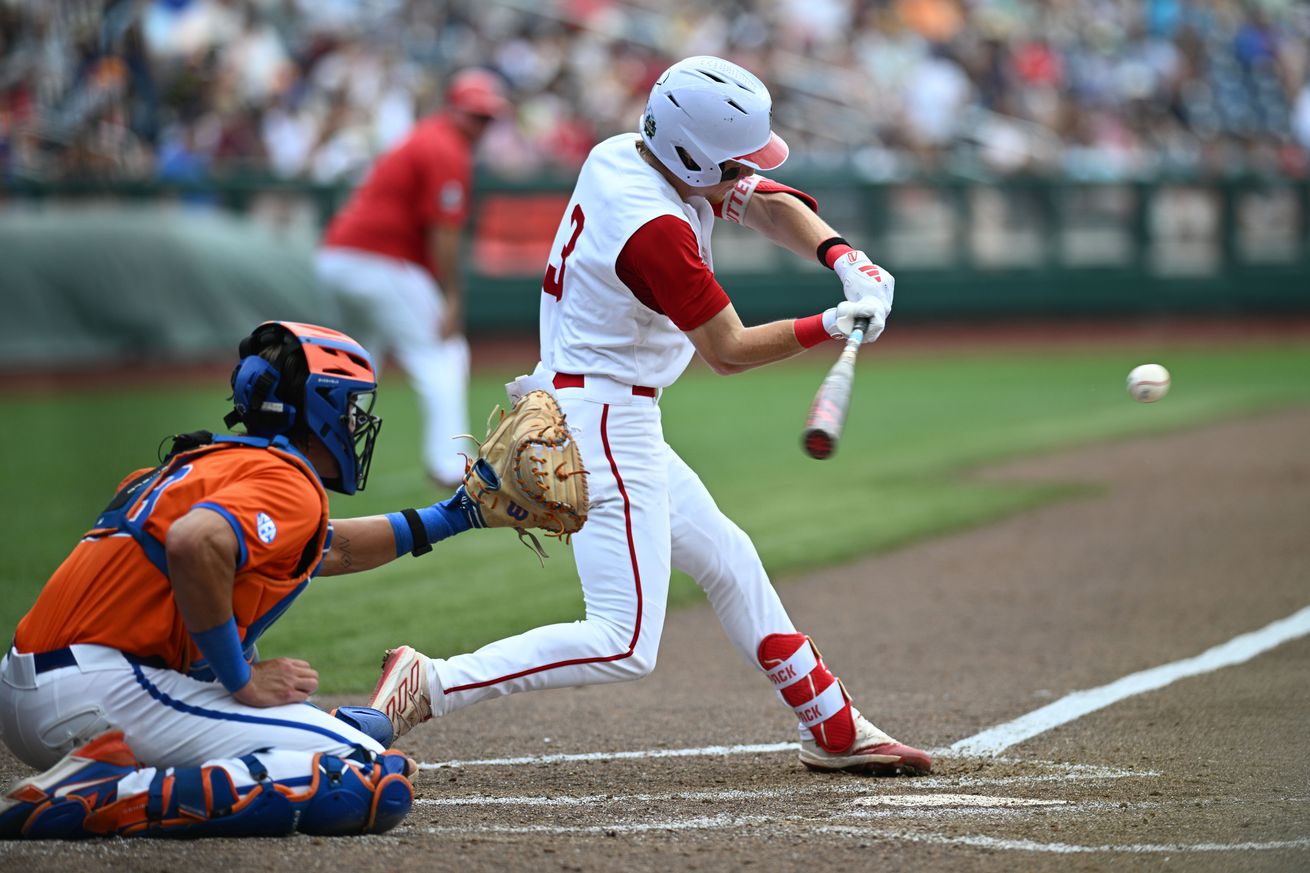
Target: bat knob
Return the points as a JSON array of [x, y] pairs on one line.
[[818, 444]]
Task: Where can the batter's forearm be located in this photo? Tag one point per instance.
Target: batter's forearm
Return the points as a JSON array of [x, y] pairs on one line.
[[786, 221], [729, 347], [764, 344]]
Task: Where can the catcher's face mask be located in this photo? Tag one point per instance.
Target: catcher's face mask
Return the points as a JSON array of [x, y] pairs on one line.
[[363, 427]]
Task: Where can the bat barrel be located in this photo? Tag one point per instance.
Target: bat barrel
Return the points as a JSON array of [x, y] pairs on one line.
[[818, 444], [828, 412]]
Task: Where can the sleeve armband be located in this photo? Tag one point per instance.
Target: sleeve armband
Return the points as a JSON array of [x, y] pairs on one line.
[[734, 203], [733, 207]]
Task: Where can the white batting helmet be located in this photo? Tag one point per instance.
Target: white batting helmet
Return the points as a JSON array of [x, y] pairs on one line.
[[704, 111]]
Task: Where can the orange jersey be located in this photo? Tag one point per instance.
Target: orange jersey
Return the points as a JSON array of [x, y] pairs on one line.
[[109, 592]]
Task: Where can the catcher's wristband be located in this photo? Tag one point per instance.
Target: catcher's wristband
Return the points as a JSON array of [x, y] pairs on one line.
[[831, 249], [417, 529], [221, 646]]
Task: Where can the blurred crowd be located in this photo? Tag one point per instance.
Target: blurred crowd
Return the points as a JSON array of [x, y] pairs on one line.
[[314, 89]]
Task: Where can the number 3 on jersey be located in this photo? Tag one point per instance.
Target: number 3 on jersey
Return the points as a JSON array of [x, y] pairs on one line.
[[553, 284]]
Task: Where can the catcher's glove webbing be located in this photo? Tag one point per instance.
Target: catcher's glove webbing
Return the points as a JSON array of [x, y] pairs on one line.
[[541, 482]]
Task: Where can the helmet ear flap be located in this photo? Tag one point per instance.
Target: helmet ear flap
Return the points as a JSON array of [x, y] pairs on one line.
[[255, 399]]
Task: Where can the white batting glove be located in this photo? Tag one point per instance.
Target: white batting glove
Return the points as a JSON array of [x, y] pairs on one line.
[[839, 321], [861, 278]]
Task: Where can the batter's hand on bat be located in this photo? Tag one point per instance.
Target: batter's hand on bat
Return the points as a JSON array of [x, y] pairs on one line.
[[840, 320], [278, 681], [861, 278]]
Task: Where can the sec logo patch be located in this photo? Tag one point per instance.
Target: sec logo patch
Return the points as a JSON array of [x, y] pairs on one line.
[[265, 528]]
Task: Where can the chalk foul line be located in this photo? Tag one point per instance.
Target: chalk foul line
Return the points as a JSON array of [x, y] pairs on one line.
[[703, 751], [995, 740], [1023, 845], [1238, 650]]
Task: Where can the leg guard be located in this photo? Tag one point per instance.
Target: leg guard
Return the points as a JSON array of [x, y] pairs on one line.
[[56, 804], [340, 797], [797, 671], [367, 720], [349, 799]]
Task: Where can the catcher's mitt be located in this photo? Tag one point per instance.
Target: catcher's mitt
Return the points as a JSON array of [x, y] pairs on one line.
[[536, 479]]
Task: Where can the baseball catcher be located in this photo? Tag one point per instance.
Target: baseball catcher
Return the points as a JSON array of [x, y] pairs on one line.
[[133, 682], [528, 473]]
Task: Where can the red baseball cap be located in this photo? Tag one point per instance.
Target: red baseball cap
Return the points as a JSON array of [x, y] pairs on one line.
[[477, 92]]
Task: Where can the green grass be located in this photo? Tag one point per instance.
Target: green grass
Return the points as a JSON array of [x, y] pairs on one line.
[[919, 424]]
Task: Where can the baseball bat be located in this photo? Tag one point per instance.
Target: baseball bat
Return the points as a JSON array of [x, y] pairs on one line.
[[828, 412]]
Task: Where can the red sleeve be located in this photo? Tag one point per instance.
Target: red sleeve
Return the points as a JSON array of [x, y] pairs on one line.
[[661, 266], [739, 195], [768, 186], [446, 176]]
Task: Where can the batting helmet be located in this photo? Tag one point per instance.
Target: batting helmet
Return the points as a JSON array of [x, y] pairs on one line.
[[704, 111], [298, 379]]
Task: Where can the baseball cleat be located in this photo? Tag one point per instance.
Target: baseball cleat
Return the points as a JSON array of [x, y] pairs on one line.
[[56, 802], [872, 754], [403, 693]]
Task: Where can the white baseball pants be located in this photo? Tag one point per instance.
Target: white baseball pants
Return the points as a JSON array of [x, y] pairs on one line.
[[169, 719], [395, 306], [649, 512]]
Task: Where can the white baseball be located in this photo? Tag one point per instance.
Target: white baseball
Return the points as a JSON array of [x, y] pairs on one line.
[[1147, 383]]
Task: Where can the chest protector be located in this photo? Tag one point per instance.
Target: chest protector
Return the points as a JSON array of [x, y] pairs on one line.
[[129, 510]]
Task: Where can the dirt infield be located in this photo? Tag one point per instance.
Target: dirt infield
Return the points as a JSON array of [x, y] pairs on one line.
[[1190, 540]]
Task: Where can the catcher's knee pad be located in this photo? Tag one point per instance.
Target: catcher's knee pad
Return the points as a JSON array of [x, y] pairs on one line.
[[342, 797], [348, 798], [796, 669], [369, 721]]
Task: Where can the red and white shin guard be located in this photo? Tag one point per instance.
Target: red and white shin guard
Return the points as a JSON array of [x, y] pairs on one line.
[[797, 672]]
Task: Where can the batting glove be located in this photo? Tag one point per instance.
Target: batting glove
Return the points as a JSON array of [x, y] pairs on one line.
[[839, 321], [862, 278]]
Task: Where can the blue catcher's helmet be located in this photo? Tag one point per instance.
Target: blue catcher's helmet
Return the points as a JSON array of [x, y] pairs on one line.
[[298, 379]]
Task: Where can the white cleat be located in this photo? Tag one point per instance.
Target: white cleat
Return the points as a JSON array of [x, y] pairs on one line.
[[872, 754], [403, 693]]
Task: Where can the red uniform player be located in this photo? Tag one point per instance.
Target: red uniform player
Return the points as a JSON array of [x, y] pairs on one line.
[[392, 259]]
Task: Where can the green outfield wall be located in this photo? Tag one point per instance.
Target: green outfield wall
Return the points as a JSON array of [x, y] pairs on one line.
[[109, 272]]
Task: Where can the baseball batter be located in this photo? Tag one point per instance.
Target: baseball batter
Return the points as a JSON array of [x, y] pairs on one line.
[[392, 259], [133, 678], [628, 297]]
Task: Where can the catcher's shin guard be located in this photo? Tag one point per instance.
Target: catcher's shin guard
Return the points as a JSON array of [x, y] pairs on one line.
[[342, 797], [800, 677]]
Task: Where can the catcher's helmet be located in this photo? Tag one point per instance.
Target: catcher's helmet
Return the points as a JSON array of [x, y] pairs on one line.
[[704, 111], [299, 379]]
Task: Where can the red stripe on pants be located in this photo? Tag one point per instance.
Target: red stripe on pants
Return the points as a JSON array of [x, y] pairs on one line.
[[636, 575]]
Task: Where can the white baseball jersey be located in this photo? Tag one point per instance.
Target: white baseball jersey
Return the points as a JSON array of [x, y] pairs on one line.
[[591, 321], [629, 275]]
